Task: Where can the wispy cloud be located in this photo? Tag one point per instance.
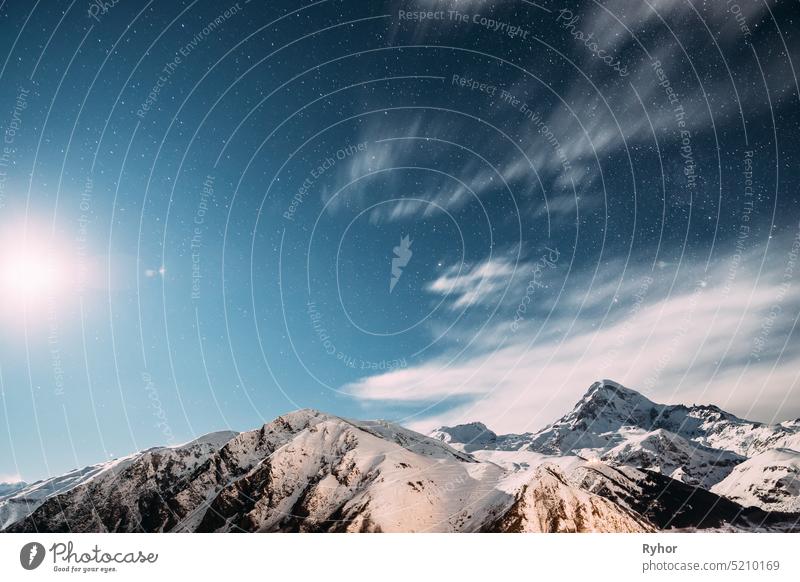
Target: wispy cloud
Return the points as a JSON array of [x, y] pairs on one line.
[[610, 19], [716, 339], [481, 283]]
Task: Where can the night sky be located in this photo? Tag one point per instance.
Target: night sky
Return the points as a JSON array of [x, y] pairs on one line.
[[432, 212]]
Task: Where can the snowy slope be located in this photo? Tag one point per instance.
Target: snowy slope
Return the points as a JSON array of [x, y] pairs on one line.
[[671, 504], [9, 489], [549, 503], [413, 441], [770, 480], [664, 452]]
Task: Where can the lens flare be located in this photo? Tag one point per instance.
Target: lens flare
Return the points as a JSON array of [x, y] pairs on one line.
[[28, 274], [33, 271]]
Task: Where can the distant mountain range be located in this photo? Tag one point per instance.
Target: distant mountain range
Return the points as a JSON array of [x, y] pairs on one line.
[[616, 463]]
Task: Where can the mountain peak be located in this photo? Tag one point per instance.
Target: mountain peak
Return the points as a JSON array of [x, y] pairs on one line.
[[469, 427], [473, 435], [610, 400], [610, 389], [297, 419]]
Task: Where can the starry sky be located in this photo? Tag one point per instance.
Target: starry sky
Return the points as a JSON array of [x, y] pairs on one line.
[[428, 211]]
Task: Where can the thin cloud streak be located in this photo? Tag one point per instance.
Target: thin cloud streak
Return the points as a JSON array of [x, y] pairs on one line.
[[716, 341]]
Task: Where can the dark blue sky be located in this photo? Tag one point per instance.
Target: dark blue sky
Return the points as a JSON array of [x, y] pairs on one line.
[[203, 207]]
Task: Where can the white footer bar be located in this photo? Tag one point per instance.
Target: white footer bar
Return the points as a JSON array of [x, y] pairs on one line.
[[407, 557]]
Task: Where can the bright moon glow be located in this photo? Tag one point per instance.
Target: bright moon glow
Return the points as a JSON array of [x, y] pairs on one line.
[[32, 271], [28, 274]]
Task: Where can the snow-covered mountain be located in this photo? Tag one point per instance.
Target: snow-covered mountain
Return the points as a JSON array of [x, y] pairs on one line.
[[475, 436], [699, 445], [305, 471], [550, 503], [600, 417], [87, 490], [20, 502], [616, 462], [668, 453], [770, 479]]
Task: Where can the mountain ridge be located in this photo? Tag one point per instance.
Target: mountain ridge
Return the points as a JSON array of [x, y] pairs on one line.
[[616, 462]]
